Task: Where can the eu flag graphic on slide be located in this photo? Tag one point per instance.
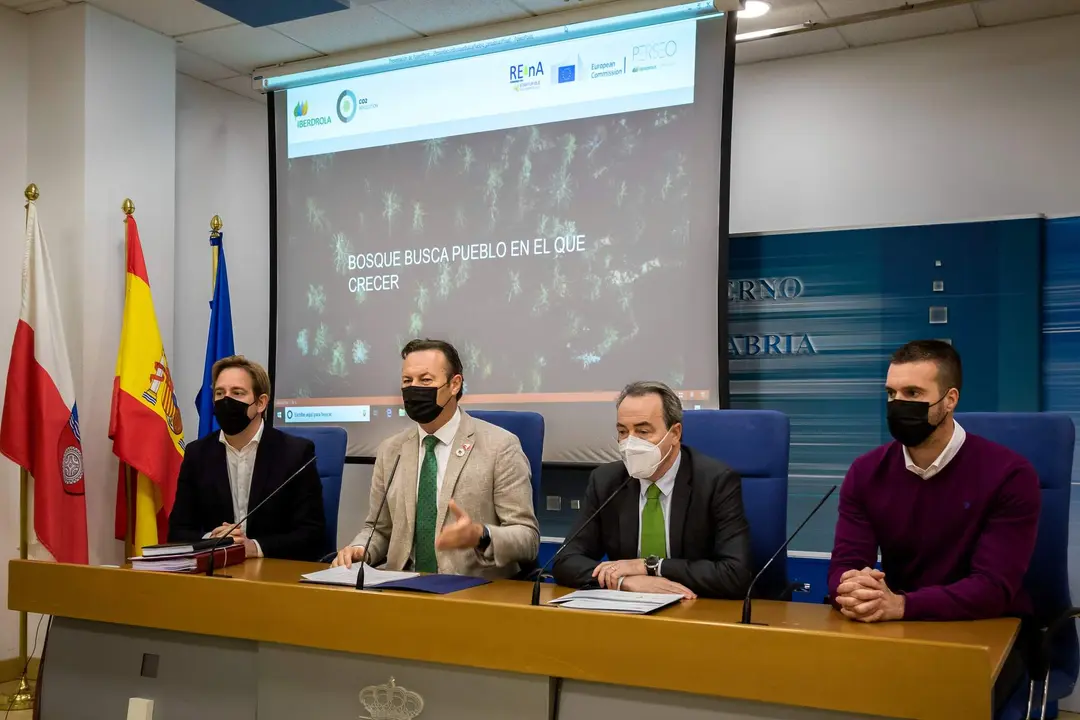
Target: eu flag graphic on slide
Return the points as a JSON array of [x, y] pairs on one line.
[[567, 73]]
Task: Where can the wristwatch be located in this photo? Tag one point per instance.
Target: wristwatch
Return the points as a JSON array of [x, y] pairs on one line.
[[652, 566], [485, 540]]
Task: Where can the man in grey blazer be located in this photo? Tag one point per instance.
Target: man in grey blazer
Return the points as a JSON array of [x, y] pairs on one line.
[[461, 498]]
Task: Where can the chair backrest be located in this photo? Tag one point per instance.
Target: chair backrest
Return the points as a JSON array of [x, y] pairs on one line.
[[529, 428], [330, 443], [755, 444], [1046, 440]]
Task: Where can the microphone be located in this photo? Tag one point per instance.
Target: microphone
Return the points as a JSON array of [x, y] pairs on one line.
[[374, 524], [221, 543], [746, 601], [567, 541]]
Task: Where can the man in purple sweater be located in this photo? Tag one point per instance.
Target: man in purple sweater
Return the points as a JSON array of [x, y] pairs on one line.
[[954, 515]]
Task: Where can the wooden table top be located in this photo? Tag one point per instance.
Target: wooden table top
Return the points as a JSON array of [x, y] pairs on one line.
[[824, 660]]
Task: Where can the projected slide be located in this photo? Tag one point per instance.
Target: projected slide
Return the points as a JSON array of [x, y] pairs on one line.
[[552, 211]]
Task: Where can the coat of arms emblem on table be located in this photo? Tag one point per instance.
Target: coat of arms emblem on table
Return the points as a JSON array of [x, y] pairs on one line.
[[390, 702]]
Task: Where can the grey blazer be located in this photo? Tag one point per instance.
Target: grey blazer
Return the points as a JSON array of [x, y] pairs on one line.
[[487, 475]]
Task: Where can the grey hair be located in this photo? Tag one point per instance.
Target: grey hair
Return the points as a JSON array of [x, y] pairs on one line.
[[668, 398]]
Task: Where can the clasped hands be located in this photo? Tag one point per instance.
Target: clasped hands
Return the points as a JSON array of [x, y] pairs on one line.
[[238, 536], [635, 578], [863, 596], [461, 534]]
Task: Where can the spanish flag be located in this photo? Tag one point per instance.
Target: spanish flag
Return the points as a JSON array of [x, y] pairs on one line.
[[145, 426]]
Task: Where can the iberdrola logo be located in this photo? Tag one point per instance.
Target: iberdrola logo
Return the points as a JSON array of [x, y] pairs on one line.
[[300, 110]]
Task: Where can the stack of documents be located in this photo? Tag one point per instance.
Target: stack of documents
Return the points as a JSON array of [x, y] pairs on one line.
[[342, 575], [616, 601], [189, 562]]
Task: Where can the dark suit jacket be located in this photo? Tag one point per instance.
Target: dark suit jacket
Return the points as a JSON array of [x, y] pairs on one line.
[[291, 525], [710, 538]]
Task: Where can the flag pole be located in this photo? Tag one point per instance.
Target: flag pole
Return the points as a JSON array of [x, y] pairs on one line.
[[131, 480], [215, 232], [23, 697]]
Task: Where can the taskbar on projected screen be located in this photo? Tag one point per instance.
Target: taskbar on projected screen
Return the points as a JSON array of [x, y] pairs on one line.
[[326, 411]]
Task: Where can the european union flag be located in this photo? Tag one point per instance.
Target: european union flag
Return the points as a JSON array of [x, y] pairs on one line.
[[219, 339], [567, 73]]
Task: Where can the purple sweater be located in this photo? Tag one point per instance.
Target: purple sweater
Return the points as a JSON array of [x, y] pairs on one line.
[[957, 545]]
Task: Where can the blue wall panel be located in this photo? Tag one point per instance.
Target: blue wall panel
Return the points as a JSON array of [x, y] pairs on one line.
[[814, 317], [1061, 350]]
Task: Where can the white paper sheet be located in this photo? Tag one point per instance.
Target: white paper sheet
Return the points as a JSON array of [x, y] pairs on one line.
[[342, 575]]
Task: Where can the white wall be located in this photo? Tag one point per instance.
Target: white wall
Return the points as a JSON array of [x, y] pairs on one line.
[[130, 131], [15, 61], [222, 168], [957, 127]]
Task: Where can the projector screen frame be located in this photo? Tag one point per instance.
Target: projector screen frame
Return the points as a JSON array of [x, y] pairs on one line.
[[723, 236]]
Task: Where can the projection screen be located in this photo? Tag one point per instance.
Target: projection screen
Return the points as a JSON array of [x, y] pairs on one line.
[[551, 208]]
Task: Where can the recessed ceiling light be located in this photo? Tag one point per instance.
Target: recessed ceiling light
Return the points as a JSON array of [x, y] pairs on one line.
[[754, 9]]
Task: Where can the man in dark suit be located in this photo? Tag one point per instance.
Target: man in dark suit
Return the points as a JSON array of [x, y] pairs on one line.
[[677, 525], [226, 473]]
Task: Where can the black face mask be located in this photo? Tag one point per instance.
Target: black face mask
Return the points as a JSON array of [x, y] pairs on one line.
[[232, 415], [422, 403], [909, 421]]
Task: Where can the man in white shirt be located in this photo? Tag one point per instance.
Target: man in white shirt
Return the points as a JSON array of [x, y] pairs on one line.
[[461, 502], [230, 471], [677, 525]]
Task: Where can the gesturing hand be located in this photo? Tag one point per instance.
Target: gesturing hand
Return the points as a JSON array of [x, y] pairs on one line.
[[462, 534]]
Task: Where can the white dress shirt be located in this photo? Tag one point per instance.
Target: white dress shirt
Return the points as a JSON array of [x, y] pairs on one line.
[[241, 464], [953, 447], [442, 450], [442, 456], [666, 483]]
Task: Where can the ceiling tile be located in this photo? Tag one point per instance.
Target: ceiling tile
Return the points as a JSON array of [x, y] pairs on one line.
[[432, 18], [241, 85], [807, 43], [1002, 12], [39, 5], [911, 25], [202, 68], [168, 17], [784, 14], [358, 27], [842, 8], [246, 48], [539, 7]]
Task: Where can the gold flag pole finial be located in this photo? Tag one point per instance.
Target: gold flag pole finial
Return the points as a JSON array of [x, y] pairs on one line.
[[31, 192], [216, 225], [128, 207]]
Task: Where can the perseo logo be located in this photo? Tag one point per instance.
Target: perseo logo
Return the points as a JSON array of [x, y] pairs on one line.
[[651, 52]]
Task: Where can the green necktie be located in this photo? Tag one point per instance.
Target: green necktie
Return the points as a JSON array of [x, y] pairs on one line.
[[653, 540], [427, 503]]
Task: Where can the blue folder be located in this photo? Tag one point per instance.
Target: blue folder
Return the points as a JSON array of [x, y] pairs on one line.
[[434, 584]]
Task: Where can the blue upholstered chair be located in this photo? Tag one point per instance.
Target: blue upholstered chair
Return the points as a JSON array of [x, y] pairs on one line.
[[755, 444], [529, 428], [330, 445], [1046, 440]]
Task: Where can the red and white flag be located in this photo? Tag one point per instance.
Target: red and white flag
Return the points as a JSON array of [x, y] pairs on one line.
[[40, 426]]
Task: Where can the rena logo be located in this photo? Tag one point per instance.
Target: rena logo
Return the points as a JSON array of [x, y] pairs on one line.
[[655, 51]]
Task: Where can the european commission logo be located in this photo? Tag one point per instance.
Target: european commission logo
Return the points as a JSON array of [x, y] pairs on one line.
[[567, 72]]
